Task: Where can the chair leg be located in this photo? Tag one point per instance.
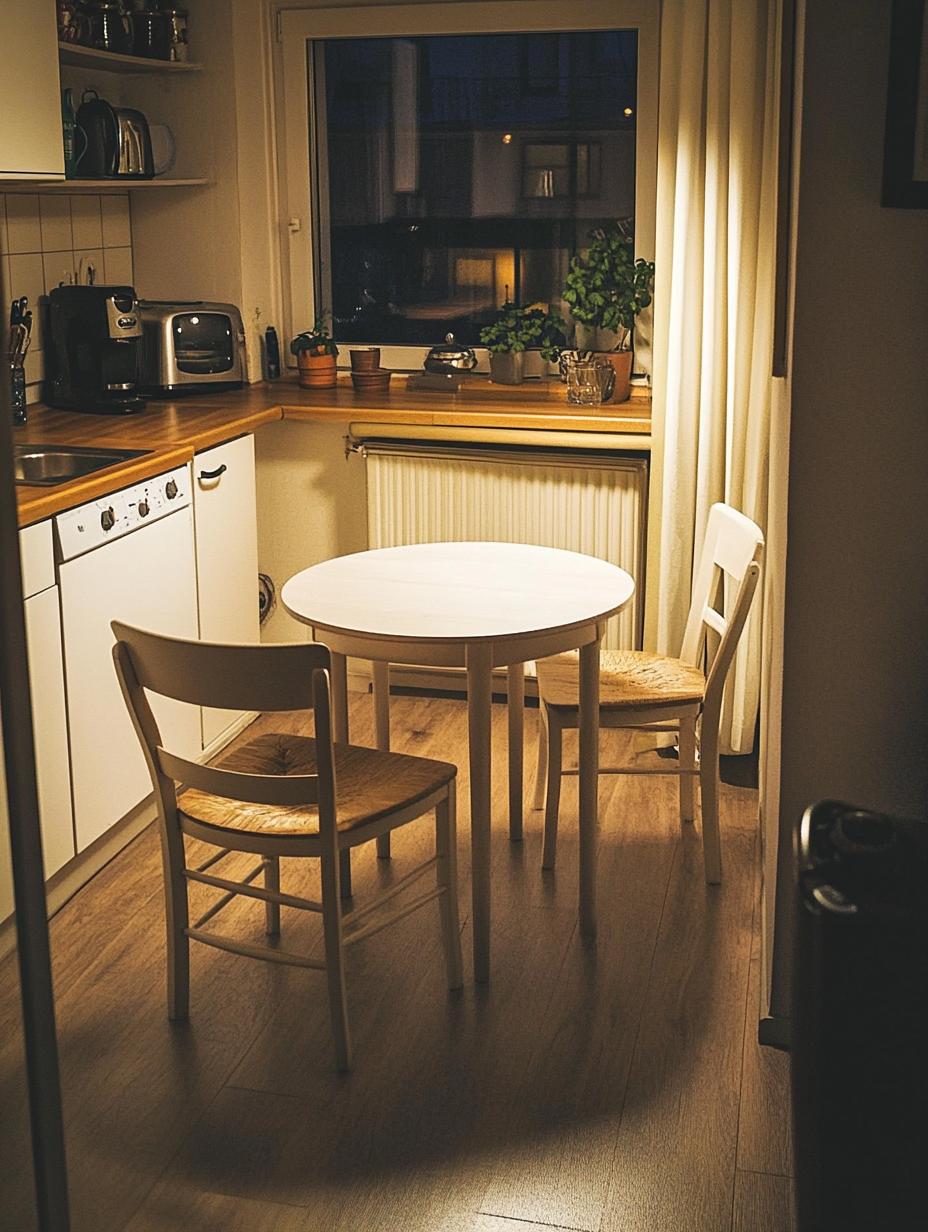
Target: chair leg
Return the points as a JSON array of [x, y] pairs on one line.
[[687, 746], [344, 861], [541, 765], [335, 958], [177, 919], [553, 793], [381, 674], [709, 796], [272, 882], [446, 850]]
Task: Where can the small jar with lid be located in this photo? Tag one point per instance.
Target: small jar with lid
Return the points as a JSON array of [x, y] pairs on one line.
[[176, 20], [109, 27], [150, 34]]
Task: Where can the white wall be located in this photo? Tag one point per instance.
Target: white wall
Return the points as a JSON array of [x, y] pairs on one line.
[[217, 242], [312, 505], [855, 698]]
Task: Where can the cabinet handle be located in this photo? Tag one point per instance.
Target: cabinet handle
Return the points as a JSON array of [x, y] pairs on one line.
[[220, 470]]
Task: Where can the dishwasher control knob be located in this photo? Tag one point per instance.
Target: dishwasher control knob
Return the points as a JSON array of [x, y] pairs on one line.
[[143, 508], [170, 489], [108, 519]]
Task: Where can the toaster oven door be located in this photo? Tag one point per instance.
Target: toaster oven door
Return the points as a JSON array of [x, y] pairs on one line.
[[203, 343]]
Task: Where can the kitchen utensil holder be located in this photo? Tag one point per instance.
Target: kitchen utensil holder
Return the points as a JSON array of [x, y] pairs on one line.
[[18, 393]]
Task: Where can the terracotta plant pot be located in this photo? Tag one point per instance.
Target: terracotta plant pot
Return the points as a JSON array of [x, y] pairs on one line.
[[317, 371], [367, 360], [506, 367], [622, 363]]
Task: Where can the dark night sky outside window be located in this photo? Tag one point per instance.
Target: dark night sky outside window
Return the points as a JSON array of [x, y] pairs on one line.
[[468, 169]]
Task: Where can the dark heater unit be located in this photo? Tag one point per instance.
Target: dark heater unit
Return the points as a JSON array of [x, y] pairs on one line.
[[860, 1023]]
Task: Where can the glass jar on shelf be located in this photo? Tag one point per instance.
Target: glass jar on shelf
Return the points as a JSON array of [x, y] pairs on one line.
[[110, 28], [150, 34], [176, 20], [73, 23]]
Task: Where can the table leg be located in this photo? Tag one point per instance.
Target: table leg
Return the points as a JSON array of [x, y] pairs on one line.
[[479, 659], [340, 728], [589, 782], [382, 732], [515, 676]]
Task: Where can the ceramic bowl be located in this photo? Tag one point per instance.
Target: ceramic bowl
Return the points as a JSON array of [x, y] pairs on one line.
[[365, 360], [371, 382]]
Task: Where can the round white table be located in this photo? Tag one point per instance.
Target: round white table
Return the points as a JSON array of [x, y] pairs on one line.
[[477, 606]]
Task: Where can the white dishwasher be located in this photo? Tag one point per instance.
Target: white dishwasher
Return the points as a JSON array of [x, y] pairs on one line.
[[128, 556]]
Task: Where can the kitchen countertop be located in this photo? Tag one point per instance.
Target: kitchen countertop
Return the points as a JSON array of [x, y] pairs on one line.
[[174, 430]]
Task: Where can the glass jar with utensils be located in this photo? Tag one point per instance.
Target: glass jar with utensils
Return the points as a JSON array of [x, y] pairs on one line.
[[18, 345], [583, 382], [605, 372]]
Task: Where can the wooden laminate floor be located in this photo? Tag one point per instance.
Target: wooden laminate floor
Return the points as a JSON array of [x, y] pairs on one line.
[[617, 1088]]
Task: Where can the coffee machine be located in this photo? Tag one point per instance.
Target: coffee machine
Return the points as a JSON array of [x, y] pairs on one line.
[[96, 335]]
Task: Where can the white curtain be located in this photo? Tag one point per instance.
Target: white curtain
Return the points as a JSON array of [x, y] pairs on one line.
[[713, 328]]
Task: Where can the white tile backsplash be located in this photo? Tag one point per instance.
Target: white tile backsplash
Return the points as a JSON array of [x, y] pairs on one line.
[[27, 277], [49, 238], [117, 266], [86, 222], [89, 263], [23, 225], [59, 267], [117, 232], [55, 214]]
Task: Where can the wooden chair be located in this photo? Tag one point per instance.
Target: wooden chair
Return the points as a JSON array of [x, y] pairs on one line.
[[643, 690], [280, 795]]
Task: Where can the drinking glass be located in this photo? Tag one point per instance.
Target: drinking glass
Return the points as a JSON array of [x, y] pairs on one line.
[[583, 387]]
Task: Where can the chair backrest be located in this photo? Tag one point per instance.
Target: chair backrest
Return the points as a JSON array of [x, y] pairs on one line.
[[731, 560], [270, 677]]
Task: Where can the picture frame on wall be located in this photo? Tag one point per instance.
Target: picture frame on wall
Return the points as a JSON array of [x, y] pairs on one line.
[[905, 146]]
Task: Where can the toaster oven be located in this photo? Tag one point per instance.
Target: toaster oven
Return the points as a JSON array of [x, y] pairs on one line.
[[191, 347]]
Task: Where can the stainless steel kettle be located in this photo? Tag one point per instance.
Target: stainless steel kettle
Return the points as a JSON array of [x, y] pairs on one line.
[[450, 358], [118, 144]]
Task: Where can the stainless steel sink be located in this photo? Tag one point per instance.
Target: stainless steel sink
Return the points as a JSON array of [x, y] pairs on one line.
[[46, 465]]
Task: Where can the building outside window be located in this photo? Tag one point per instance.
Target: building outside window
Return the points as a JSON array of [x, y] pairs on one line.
[[465, 171], [439, 160]]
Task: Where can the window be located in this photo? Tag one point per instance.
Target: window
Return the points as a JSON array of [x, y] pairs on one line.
[[450, 169]]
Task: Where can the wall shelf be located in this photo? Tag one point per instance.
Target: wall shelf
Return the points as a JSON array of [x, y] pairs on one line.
[[109, 62], [109, 187]]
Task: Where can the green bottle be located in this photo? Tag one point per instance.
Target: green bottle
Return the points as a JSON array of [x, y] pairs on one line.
[[69, 133]]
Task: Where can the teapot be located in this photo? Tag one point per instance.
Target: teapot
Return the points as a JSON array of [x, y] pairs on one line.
[[450, 358]]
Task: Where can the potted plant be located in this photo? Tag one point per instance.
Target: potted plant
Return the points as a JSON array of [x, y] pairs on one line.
[[512, 330], [606, 289], [315, 353], [548, 342]]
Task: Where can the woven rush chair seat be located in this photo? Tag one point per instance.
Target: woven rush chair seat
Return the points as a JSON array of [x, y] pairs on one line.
[[653, 692], [280, 796], [626, 678], [371, 785]]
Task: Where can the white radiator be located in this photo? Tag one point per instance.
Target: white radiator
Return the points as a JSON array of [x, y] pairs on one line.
[[591, 504]]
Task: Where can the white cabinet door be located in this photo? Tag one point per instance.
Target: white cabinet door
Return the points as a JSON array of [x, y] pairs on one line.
[[148, 579], [31, 142], [227, 554], [46, 678]]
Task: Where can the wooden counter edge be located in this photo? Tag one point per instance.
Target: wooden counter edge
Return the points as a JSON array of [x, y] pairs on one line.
[[34, 504], [553, 419]]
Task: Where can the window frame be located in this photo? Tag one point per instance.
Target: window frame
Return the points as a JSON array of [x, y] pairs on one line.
[[302, 154]]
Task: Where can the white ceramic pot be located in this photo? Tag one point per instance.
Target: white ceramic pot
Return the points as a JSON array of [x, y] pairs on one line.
[[506, 369]]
